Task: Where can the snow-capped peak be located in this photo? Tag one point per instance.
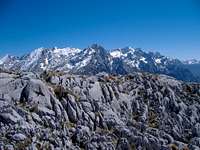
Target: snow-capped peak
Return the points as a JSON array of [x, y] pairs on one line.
[[2, 60], [36, 53], [92, 60], [116, 53], [66, 51], [129, 48], [5, 59]]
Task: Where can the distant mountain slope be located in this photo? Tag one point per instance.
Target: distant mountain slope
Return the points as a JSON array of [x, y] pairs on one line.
[[191, 62], [193, 65], [96, 59], [194, 68]]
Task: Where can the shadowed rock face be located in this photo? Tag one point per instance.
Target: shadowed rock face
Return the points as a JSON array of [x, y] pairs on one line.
[[138, 111]]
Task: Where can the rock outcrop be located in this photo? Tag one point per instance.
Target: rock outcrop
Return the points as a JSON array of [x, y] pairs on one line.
[[62, 111]]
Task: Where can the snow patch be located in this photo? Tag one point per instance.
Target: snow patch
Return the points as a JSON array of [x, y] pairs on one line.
[[36, 53], [66, 51], [45, 64], [134, 63], [158, 61], [116, 54], [34, 57], [91, 52], [143, 59], [70, 66], [84, 62], [132, 49], [1, 62]]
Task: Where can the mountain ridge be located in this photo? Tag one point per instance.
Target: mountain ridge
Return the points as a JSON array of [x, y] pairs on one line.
[[95, 59]]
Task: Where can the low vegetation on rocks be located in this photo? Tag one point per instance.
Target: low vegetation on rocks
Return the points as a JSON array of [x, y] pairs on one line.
[[55, 110]]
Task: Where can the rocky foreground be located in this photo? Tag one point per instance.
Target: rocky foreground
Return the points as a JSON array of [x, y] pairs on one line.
[[103, 112]]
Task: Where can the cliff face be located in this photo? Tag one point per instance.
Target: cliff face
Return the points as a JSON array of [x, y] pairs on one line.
[[56, 110]]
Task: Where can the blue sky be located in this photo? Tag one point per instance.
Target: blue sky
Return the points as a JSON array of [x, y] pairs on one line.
[[171, 27]]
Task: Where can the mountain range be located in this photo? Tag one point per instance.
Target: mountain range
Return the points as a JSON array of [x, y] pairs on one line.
[[95, 59], [98, 99]]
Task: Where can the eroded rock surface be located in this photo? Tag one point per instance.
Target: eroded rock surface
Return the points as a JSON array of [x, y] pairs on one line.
[[102, 112]]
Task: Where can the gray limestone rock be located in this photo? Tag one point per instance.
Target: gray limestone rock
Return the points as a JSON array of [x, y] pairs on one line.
[[138, 111]]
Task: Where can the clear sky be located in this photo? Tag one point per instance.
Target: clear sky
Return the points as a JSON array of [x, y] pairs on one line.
[[171, 27]]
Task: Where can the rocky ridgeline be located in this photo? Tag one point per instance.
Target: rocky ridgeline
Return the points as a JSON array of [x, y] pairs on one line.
[[96, 59], [62, 111]]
